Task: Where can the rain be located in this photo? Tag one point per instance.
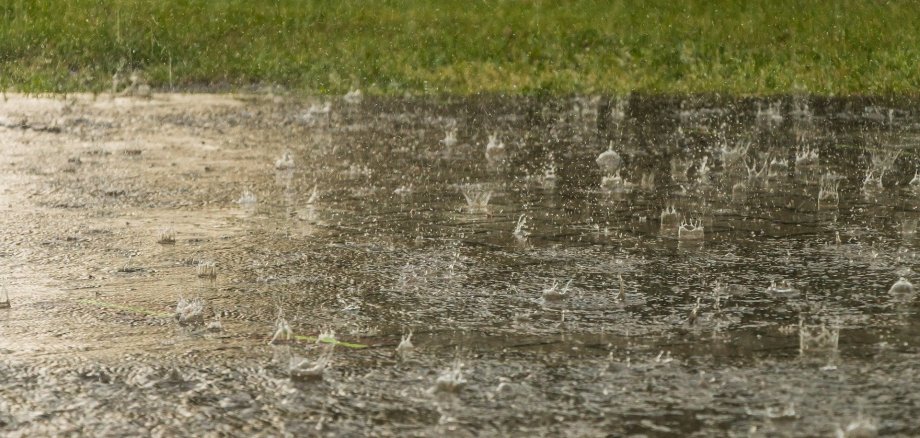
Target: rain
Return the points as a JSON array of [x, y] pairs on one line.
[[356, 262]]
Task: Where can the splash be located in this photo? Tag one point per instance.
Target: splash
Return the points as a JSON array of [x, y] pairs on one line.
[[609, 161], [477, 196], [680, 169], [670, 220], [702, 172], [616, 184], [247, 199], [757, 175], [883, 159], [770, 115], [739, 192], [283, 332], [806, 157], [451, 380], [206, 269], [190, 312], [647, 181], [317, 111], [520, 230], [694, 314], [691, 230], [828, 184], [314, 195], [618, 110], [914, 183], [166, 236], [549, 176], [4, 298], [405, 346], [778, 168], [353, 97], [801, 111], [495, 149], [872, 181], [327, 336], [901, 287], [861, 427], [286, 162], [301, 368], [450, 139], [733, 157], [818, 339], [555, 293], [215, 325], [783, 287]]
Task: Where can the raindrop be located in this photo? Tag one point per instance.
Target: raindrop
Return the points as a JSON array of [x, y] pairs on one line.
[[901, 287]]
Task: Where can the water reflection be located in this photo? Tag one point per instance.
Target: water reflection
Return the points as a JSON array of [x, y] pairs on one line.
[[617, 265]]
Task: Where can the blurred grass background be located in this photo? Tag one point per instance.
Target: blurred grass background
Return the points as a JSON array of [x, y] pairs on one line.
[[465, 46]]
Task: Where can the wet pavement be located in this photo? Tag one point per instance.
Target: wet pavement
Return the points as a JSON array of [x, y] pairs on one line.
[[634, 266]]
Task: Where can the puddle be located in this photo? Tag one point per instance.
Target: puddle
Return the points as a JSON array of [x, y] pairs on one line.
[[757, 304]]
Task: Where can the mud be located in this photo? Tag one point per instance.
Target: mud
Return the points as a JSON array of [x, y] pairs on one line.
[[369, 235]]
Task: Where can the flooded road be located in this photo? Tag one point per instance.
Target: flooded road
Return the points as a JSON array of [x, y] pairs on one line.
[[264, 266]]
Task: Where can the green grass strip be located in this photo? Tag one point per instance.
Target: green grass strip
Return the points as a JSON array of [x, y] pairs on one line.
[[332, 341], [426, 47], [124, 308]]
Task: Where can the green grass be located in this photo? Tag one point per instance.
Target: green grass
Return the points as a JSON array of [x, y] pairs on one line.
[[466, 46]]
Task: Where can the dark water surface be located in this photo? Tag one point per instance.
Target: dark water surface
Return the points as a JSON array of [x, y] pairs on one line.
[[778, 318]]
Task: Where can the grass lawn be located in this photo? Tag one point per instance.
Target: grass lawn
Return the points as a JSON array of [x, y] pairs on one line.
[[466, 46]]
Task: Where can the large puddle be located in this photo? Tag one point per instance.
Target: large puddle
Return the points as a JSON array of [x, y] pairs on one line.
[[728, 268]]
